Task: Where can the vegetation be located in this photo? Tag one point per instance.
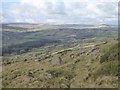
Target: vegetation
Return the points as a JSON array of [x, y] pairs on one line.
[[61, 58]]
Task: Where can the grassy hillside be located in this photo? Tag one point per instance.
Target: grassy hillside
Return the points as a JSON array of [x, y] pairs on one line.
[[87, 65], [59, 56]]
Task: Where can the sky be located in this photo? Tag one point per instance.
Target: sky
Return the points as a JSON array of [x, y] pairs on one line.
[[60, 11]]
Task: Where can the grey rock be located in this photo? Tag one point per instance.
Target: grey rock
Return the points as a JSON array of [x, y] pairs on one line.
[[57, 60]]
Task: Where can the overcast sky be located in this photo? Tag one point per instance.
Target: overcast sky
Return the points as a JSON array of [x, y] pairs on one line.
[[60, 11]]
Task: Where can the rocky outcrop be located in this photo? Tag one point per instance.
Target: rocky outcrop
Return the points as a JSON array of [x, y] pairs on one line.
[[57, 60]]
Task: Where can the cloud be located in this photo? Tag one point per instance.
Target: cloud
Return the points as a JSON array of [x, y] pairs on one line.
[[56, 11]]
